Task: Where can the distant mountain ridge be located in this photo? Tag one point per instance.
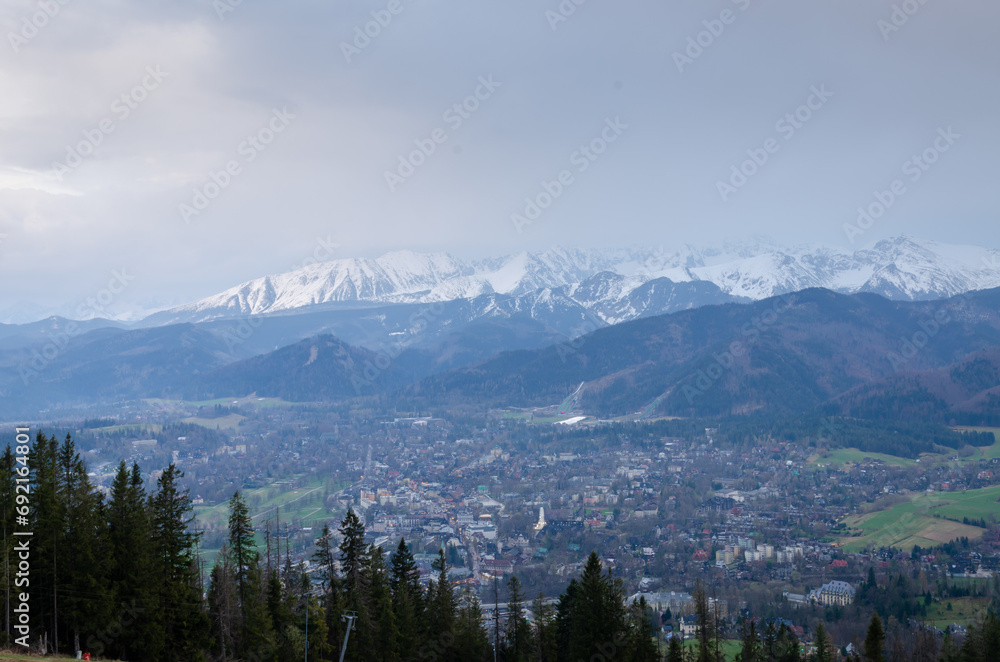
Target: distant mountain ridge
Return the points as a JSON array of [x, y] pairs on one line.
[[610, 286], [858, 355]]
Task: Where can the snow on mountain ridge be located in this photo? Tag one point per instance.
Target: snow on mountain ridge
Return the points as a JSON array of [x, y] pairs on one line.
[[903, 267]]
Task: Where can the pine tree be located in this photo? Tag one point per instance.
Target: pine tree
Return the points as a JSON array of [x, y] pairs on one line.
[[441, 608], [323, 557], [770, 642], [385, 633], [949, 650], [788, 645], [471, 642], [544, 633], [598, 616], [675, 651], [316, 632], [565, 611], [517, 632], [86, 604], [991, 636], [874, 640], [353, 561], [260, 639], [751, 649], [256, 632], [131, 569], [706, 624], [185, 625], [222, 606], [407, 598], [639, 646], [824, 652]]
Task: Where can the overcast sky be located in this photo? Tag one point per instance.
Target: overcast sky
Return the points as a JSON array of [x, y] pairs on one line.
[[142, 102]]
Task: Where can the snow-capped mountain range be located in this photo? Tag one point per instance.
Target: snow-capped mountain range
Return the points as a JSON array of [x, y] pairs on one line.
[[612, 285]]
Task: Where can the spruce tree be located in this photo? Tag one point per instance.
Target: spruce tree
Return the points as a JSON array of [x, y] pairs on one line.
[[874, 640], [86, 604], [824, 649], [706, 624], [565, 612], [185, 626], [544, 632], [751, 649], [598, 617], [407, 598], [788, 645], [244, 558], [133, 578], [385, 633], [517, 632], [353, 562], [441, 608], [222, 606], [471, 642], [991, 636], [675, 650], [770, 642], [641, 631]]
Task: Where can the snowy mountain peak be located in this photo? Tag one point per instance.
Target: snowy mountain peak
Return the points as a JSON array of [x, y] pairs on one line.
[[610, 283]]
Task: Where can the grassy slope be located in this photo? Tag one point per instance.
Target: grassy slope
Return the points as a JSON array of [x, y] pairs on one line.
[[925, 520]]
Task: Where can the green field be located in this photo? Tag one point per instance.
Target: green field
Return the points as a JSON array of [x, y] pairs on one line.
[[925, 520], [302, 505], [964, 611], [295, 504], [851, 456], [843, 456], [987, 453], [728, 647]]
